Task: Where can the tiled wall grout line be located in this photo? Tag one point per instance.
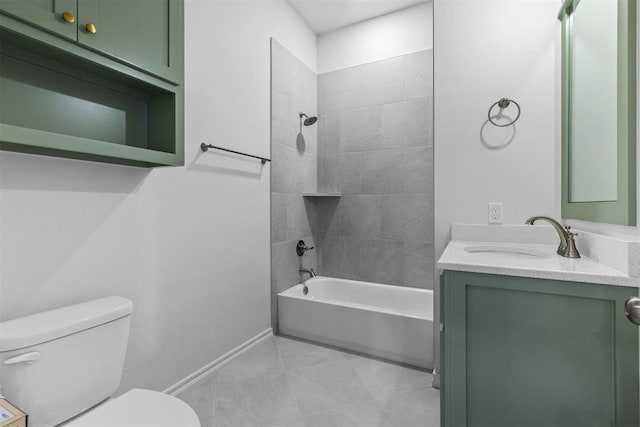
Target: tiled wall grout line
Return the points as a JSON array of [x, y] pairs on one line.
[[364, 107]]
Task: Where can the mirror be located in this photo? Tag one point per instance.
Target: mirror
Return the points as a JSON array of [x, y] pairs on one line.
[[593, 166], [598, 110]]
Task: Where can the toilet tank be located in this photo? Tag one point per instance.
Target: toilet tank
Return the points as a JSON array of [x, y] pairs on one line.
[[56, 364]]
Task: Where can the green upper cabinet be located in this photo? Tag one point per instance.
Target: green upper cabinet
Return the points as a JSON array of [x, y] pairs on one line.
[[46, 14], [93, 80], [137, 32], [142, 34]]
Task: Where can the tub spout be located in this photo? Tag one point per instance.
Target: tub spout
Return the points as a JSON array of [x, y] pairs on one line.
[[309, 271]]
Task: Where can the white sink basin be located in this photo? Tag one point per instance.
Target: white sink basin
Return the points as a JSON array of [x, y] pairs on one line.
[[511, 251]]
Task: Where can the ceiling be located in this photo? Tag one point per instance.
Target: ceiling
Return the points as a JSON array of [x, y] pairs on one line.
[[328, 15]]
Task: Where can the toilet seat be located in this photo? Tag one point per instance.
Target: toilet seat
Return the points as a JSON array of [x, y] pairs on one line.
[[139, 408]]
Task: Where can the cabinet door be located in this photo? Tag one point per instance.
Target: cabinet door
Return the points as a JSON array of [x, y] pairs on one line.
[[523, 352], [141, 33], [45, 14]]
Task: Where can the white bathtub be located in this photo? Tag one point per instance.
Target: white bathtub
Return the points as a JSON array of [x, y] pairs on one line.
[[391, 322]]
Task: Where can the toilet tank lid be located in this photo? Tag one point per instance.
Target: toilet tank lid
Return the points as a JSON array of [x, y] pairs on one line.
[[41, 327]]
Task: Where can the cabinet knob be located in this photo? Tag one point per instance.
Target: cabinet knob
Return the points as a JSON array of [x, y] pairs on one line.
[[91, 28], [68, 17], [632, 309]]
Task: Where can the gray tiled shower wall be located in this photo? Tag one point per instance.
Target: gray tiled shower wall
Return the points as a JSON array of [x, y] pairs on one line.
[[294, 168], [375, 145]]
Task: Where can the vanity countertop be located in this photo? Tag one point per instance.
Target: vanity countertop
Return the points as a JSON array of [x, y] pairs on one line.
[[605, 260], [550, 266]]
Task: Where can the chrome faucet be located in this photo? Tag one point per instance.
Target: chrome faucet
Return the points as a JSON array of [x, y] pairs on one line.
[[309, 271], [567, 246]]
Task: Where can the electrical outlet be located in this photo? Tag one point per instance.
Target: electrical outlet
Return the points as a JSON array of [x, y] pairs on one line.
[[495, 213]]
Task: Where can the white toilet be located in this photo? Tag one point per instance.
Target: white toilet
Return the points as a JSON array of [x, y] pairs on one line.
[[62, 366]]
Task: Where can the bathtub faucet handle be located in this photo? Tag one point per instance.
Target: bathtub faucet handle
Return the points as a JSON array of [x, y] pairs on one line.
[[302, 247]]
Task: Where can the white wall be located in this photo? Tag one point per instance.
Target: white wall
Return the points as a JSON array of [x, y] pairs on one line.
[[189, 245], [483, 51], [395, 34]]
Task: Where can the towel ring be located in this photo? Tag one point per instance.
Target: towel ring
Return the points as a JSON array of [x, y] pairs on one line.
[[503, 103]]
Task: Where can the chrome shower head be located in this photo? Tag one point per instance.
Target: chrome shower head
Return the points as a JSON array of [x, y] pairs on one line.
[[309, 120]]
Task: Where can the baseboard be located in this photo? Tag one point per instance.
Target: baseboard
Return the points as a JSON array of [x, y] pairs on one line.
[[218, 363]]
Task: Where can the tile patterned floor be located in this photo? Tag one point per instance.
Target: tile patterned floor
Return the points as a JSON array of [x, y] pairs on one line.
[[284, 382]]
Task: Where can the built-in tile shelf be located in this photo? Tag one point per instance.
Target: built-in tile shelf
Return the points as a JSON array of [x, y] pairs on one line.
[[321, 194]]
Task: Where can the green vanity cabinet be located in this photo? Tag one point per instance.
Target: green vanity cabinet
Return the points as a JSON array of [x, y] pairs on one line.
[[531, 352], [45, 14], [109, 90]]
